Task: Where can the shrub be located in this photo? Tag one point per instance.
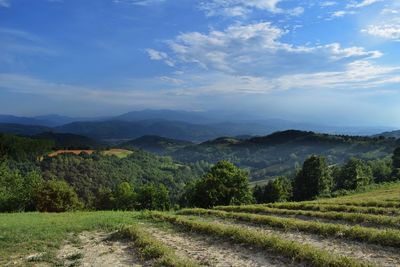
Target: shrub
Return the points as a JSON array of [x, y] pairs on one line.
[[224, 184], [313, 179], [57, 196], [354, 174]]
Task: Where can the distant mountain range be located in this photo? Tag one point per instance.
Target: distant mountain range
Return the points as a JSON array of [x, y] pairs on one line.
[[181, 125], [393, 134]]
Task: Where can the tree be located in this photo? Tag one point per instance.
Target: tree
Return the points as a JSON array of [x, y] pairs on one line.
[[124, 197], [17, 189], [277, 190], [57, 196], [396, 164], [313, 179], [354, 174], [104, 199], [224, 184], [381, 169], [153, 197]]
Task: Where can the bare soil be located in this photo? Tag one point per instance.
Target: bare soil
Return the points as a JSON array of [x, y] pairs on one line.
[[211, 251], [97, 249]]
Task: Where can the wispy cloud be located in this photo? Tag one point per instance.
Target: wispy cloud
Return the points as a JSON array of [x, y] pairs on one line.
[[125, 95], [5, 3], [15, 45], [158, 55], [139, 2], [241, 8], [386, 31], [363, 3]]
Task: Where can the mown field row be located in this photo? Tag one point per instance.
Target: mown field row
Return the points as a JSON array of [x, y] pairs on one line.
[[303, 253], [377, 220], [324, 207], [385, 237]]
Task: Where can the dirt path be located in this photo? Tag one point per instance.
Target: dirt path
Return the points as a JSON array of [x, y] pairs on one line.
[[381, 256], [215, 252], [96, 249]]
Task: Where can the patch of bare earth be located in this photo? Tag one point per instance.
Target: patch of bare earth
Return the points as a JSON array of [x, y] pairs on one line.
[[381, 256], [211, 251], [97, 249]]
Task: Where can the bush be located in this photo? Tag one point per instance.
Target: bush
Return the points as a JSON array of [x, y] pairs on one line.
[[314, 179], [124, 197], [153, 197], [224, 184], [57, 196], [354, 174], [17, 189], [278, 190]]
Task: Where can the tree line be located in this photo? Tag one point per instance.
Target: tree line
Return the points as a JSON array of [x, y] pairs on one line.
[[29, 181]]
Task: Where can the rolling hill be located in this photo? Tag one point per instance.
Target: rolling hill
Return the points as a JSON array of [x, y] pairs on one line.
[[279, 153]]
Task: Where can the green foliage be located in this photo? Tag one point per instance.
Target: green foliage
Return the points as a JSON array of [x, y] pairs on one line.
[[104, 199], [354, 174], [17, 189], [88, 173], [313, 179], [56, 196], [153, 197], [381, 170], [23, 148], [224, 184], [396, 164], [124, 197], [279, 153], [278, 190]]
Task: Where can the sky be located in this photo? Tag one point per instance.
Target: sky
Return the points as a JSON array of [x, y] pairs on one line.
[[332, 62]]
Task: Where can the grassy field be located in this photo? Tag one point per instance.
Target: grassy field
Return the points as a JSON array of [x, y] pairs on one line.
[[355, 230]]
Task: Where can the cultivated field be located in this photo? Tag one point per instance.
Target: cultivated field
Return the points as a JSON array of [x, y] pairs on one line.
[[358, 230], [120, 153]]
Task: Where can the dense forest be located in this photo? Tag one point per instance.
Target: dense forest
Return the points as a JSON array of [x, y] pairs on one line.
[[201, 175]]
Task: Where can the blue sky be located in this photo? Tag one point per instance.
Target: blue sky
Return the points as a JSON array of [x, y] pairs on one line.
[[335, 62]]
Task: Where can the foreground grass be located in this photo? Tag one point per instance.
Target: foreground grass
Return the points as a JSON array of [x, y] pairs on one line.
[[152, 249], [379, 220], [24, 233], [301, 253], [386, 237]]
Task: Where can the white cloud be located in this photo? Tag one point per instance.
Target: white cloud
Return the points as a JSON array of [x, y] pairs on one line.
[[157, 55], [387, 31], [171, 80], [362, 3], [341, 13], [328, 3], [257, 49], [241, 8], [139, 2], [5, 3]]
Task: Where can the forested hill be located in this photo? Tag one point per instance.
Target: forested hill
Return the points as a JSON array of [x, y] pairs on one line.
[[282, 152]]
